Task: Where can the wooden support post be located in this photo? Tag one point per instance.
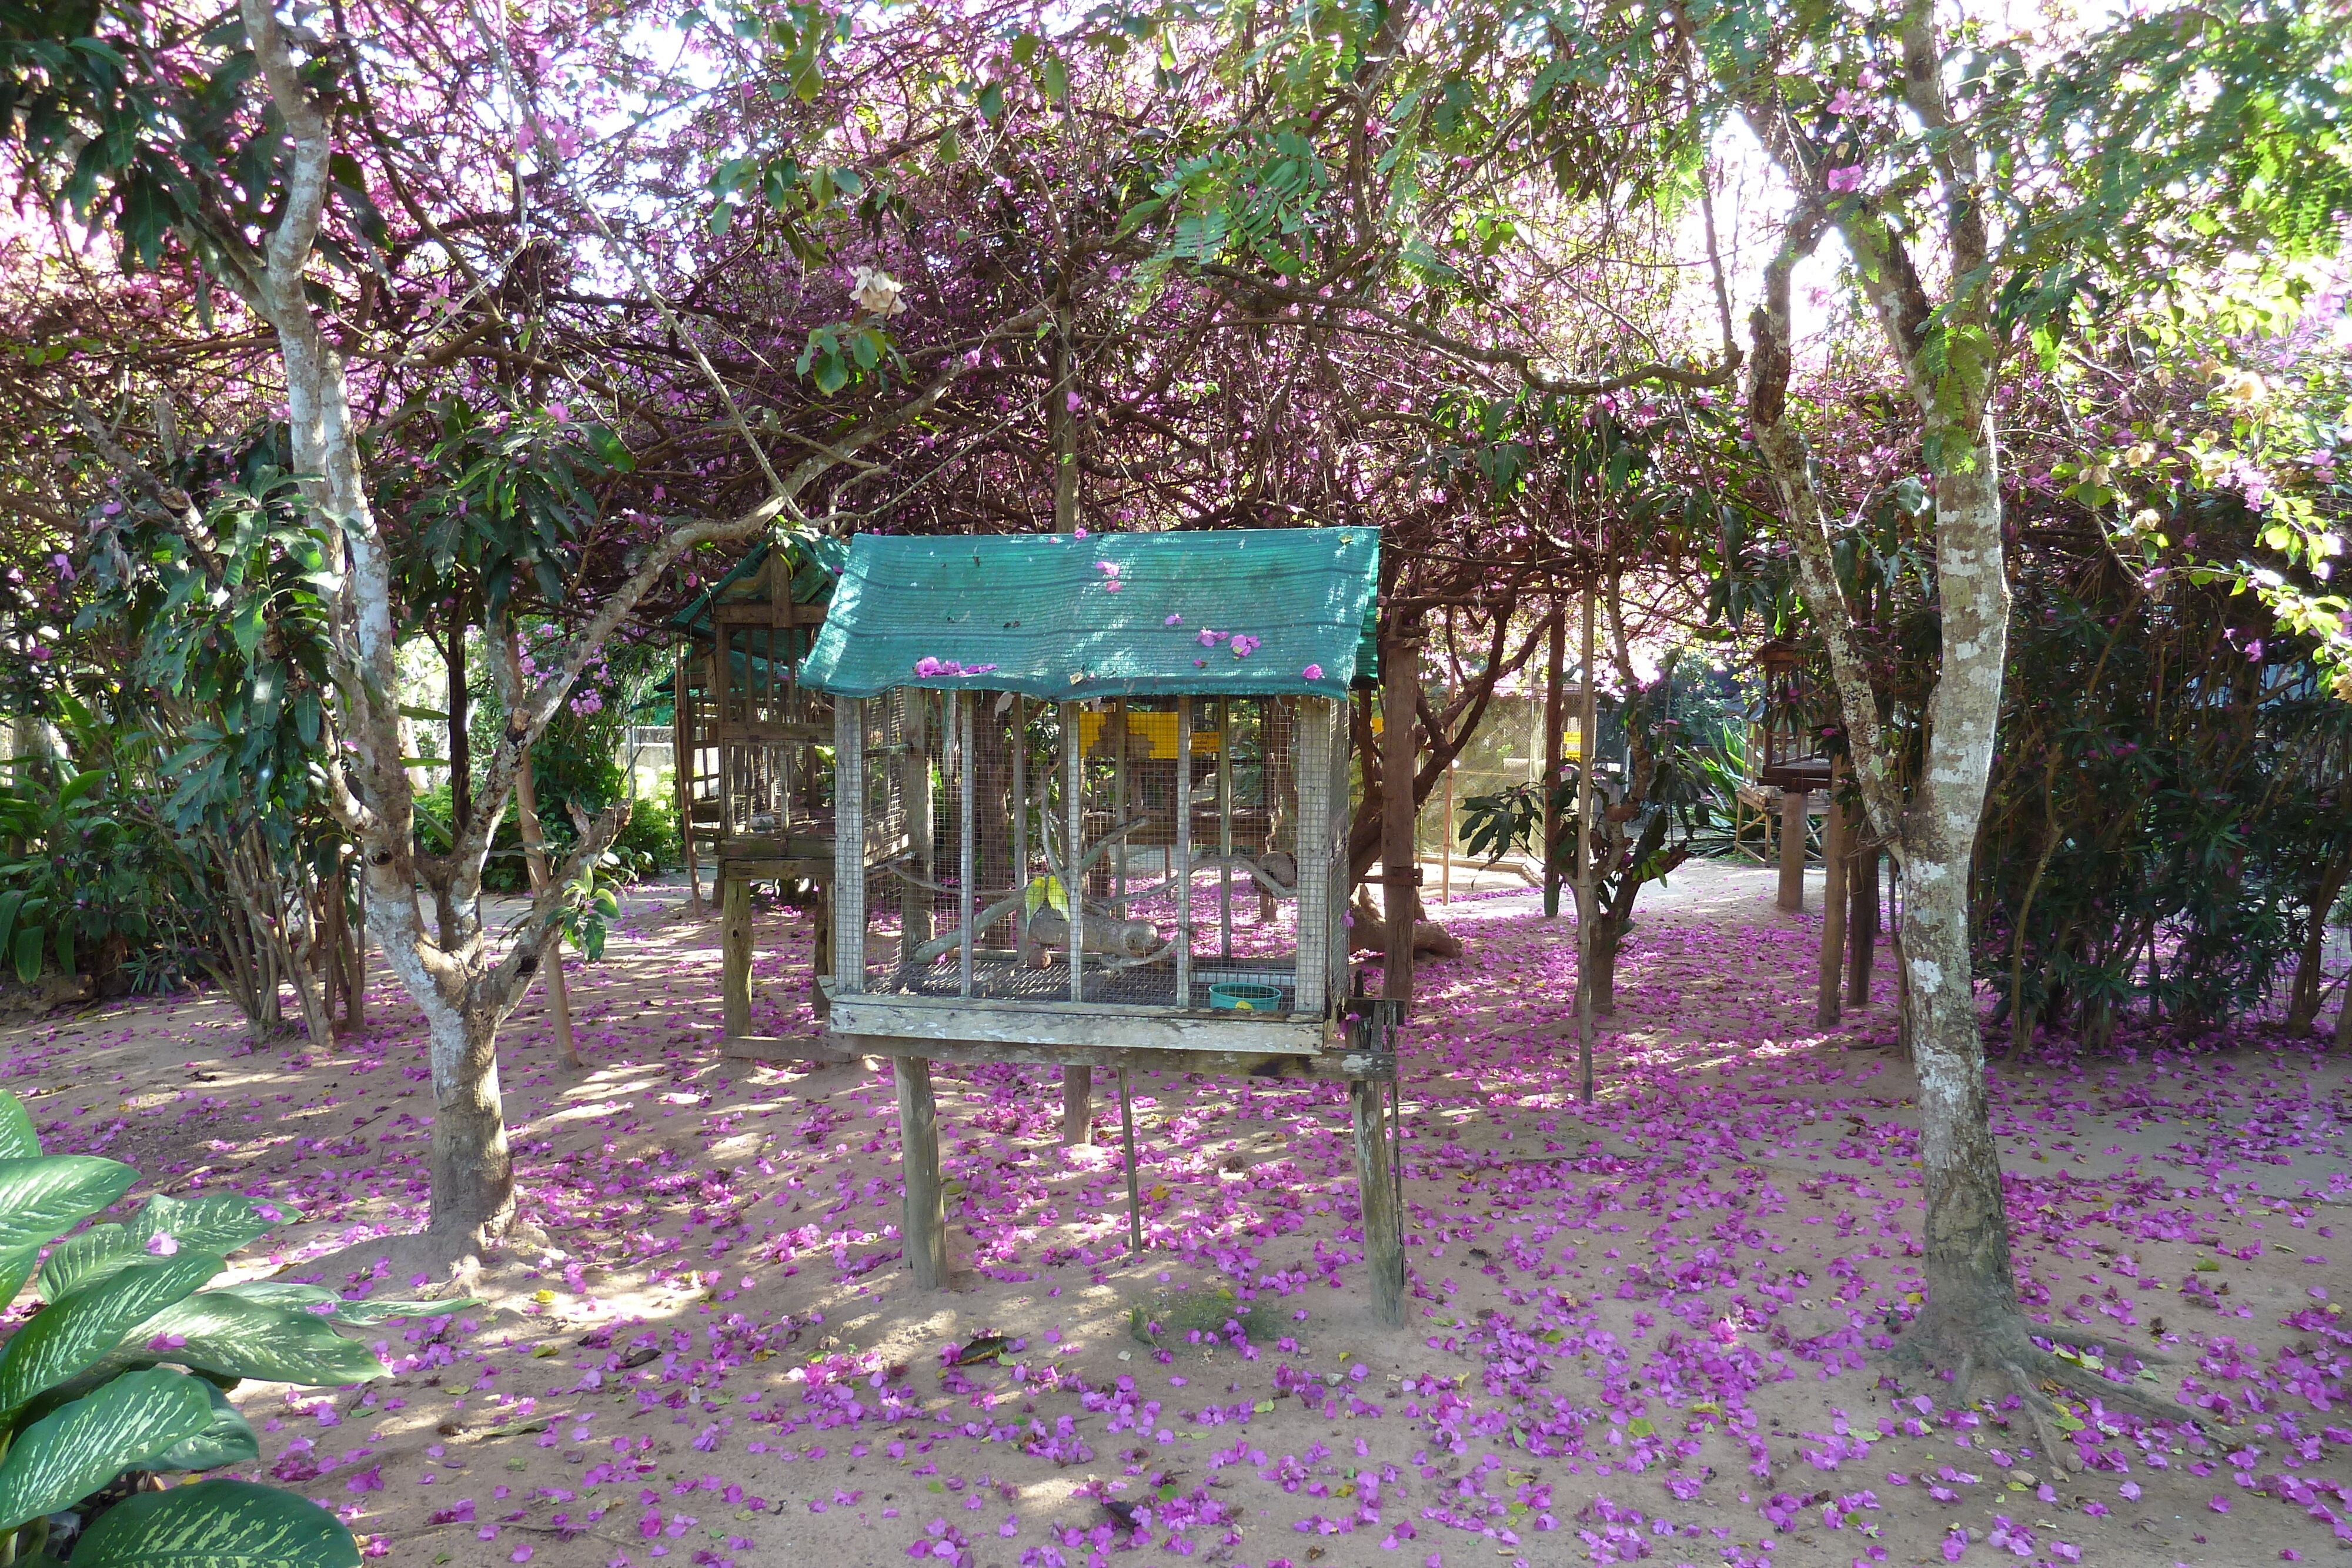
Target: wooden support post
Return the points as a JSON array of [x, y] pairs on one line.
[[1862, 923], [1446, 876], [1792, 850], [1831, 988], [1127, 1145], [1020, 817], [1588, 903], [735, 940], [1555, 721], [1182, 868], [1225, 828], [848, 889], [924, 1224], [355, 995], [331, 944], [682, 775], [1400, 678], [1078, 1083], [1376, 1191], [959, 736]]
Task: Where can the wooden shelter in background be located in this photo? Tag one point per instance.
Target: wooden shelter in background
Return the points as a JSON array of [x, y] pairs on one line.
[[1063, 768], [754, 802]]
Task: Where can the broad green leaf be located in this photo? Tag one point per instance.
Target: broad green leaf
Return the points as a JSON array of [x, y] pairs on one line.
[[216, 1524], [219, 1224], [84, 1256], [16, 1268], [17, 1139], [228, 1440], [307, 1298], [73, 1333], [71, 1452], [10, 903], [40, 1198], [28, 953], [241, 1338]]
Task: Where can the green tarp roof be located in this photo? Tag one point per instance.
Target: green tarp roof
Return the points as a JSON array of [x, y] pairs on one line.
[[1038, 613]]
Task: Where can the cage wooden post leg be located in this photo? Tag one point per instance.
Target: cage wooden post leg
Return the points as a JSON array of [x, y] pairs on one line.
[[1555, 736], [924, 1225], [1793, 849], [1834, 902], [1225, 828], [1126, 1141], [1862, 926], [1399, 870], [1588, 903], [1375, 1188], [1183, 868], [959, 735], [681, 746], [1020, 819], [1078, 1105], [735, 939]]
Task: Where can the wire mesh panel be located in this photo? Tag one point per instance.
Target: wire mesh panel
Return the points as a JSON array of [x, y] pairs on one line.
[[1138, 851]]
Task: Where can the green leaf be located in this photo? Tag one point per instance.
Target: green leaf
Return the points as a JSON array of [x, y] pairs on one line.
[[240, 1338], [219, 1224], [216, 1524], [299, 1298], [40, 1198], [18, 1141], [10, 903], [75, 1331], [71, 1452], [228, 1440], [84, 1256], [29, 954]]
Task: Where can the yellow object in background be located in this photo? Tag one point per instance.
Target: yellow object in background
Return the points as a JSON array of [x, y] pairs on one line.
[[1157, 730]]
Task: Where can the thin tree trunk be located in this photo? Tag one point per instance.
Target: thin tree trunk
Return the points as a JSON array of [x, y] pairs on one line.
[[534, 853], [2303, 1006]]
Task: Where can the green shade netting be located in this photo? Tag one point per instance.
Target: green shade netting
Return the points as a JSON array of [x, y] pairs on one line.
[[1038, 614]]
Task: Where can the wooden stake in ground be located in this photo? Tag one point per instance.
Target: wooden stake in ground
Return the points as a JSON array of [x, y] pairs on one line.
[[1554, 700], [1833, 905], [1400, 677], [1792, 850], [1862, 922], [1587, 902]]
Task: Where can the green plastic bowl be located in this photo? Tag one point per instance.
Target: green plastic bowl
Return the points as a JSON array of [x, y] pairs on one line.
[[1244, 996]]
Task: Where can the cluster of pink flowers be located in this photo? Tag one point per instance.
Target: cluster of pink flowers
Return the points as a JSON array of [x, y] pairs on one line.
[[926, 666], [1109, 569]]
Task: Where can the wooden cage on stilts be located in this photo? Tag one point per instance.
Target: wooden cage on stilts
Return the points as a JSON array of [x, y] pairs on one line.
[[752, 796], [1071, 778]]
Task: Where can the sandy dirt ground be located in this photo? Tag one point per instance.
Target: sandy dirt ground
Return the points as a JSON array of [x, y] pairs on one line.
[[1643, 1330]]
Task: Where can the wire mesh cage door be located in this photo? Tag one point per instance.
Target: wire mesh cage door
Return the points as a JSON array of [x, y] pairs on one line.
[[870, 829], [765, 722]]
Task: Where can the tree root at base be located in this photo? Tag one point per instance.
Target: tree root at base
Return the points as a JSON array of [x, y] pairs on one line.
[[2026, 1367]]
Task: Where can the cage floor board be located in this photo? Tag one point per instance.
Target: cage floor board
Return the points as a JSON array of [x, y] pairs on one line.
[[1003, 977]]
